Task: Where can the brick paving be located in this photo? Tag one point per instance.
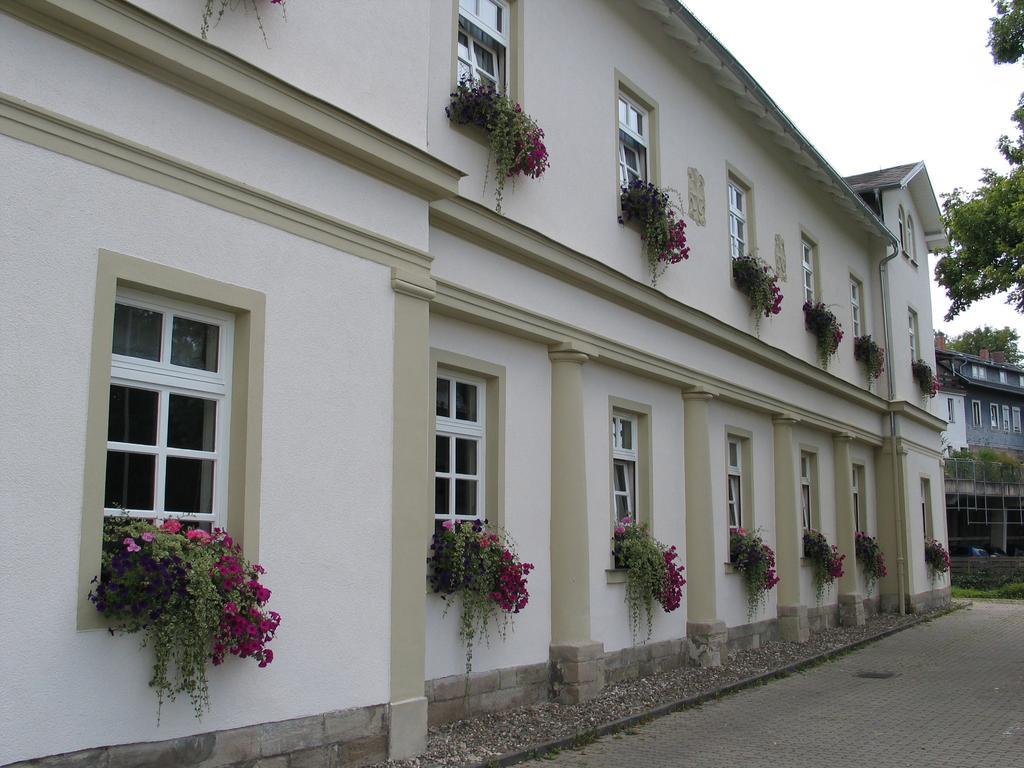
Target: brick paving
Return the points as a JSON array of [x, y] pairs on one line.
[[956, 699]]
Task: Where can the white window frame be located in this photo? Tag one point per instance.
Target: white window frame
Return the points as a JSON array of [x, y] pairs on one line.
[[166, 379], [497, 43], [993, 413], [1006, 418], [913, 328], [903, 235], [1016, 419], [734, 482], [635, 139], [911, 241], [807, 260], [856, 292], [1002, 377], [926, 506], [739, 229], [462, 429], [629, 460], [807, 471], [976, 412], [857, 517], [950, 411]]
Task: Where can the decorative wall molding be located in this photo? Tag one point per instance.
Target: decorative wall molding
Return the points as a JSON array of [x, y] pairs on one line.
[[780, 257], [695, 197]]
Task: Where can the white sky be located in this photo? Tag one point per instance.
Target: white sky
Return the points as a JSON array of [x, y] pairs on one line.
[[875, 83]]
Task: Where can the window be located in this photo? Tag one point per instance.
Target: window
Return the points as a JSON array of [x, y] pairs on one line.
[[856, 292], [624, 464], [911, 243], [977, 371], [807, 489], [634, 141], [459, 447], [1002, 377], [976, 412], [858, 511], [993, 412], [807, 258], [168, 414], [734, 495], [738, 239], [483, 41], [1016, 419], [926, 506], [903, 231], [912, 327], [1006, 418], [950, 411]]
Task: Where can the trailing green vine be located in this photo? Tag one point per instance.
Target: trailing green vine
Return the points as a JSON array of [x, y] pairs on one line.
[[825, 327], [826, 560], [213, 12], [652, 574]]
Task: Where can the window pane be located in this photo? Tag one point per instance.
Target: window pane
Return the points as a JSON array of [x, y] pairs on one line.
[[130, 480], [442, 461], [194, 344], [623, 113], [189, 486], [465, 401], [489, 14], [485, 60], [734, 454], [620, 477], [465, 456], [627, 435], [191, 423], [137, 332], [621, 507], [443, 395], [441, 485], [465, 497], [132, 415]]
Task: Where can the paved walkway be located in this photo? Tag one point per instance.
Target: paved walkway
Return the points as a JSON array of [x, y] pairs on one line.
[[955, 698]]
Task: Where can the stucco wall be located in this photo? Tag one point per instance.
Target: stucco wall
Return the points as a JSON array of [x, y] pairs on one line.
[[527, 453], [326, 460]]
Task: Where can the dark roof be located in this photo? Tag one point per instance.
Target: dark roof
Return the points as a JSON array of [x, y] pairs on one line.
[[883, 179], [949, 353]]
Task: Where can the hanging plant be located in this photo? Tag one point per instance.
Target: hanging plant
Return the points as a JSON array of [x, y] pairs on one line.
[[193, 595], [756, 561], [866, 351], [820, 321], [516, 141], [936, 557], [652, 574], [662, 228], [760, 284], [827, 562], [213, 10], [482, 568], [925, 378], [870, 557]]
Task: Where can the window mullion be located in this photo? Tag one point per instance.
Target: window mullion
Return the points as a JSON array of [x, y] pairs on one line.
[[161, 451]]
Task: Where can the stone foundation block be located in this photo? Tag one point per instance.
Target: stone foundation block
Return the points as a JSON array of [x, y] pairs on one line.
[[793, 624], [577, 671], [707, 643], [851, 610], [484, 682]]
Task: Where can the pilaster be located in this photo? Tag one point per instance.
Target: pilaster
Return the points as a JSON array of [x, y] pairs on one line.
[[851, 602], [411, 514], [705, 633], [793, 625], [577, 669]]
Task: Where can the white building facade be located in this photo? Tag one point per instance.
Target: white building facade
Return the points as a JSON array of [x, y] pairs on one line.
[[319, 216]]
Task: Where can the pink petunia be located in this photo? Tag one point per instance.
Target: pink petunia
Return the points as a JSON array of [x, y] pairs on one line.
[[148, 536], [198, 534], [130, 545], [171, 526], [448, 525]]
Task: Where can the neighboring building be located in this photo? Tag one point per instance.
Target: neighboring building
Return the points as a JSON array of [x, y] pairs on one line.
[[989, 401], [301, 212]]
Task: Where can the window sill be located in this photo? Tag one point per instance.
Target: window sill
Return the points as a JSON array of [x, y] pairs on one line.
[[730, 568], [474, 133], [805, 562], [616, 575]]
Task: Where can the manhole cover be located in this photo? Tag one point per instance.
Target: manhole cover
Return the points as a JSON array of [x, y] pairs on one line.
[[876, 675]]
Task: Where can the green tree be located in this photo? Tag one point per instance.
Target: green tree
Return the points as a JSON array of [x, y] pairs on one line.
[[986, 227], [995, 339]]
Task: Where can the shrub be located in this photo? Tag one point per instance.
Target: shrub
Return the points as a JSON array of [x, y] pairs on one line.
[[482, 567], [827, 562], [937, 558], [652, 574], [925, 378], [516, 141], [193, 594], [870, 557], [866, 351], [827, 331], [662, 228], [760, 284], [756, 561]]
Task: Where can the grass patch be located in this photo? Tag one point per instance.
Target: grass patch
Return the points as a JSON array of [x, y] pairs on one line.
[[1013, 591]]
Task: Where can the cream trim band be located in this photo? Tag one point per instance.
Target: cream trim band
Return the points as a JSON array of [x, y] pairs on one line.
[[138, 40]]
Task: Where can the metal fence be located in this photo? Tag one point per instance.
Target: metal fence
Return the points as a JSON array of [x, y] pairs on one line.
[[987, 491]]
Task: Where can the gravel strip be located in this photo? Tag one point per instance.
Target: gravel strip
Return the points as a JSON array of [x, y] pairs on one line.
[[487, 737]]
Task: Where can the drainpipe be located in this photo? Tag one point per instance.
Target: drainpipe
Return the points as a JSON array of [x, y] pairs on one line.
[[883, 276]]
